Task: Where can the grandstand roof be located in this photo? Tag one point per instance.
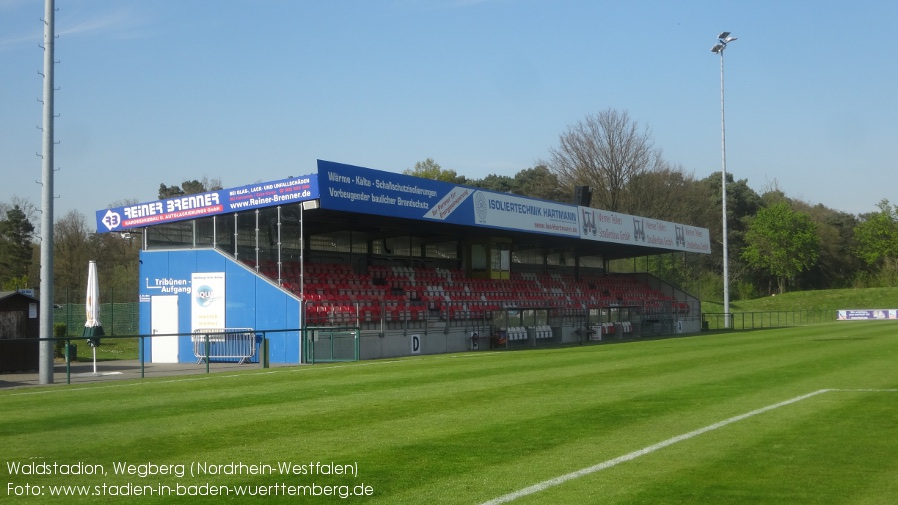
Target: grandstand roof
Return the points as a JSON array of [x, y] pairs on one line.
[[386, 204]]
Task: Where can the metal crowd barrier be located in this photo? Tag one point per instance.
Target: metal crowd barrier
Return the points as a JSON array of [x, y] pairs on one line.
[[224, 344]]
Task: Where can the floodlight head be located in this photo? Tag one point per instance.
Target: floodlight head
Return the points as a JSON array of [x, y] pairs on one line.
[[723, 35], [729, 39], [717, 48]]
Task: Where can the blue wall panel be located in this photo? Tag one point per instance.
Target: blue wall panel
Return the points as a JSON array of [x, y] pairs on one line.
[[278, 305], [250, 301], [293, 343]]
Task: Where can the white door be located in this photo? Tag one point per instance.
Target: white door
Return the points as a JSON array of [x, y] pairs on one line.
[[164, 320]]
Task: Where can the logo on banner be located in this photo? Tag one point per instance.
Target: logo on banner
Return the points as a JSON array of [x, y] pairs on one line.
[[205, 296], [589, 222], [638, 230], [112, 220], [481, 206]]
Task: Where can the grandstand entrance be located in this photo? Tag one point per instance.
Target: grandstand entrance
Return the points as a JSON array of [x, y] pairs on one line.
[[164, 317], [331, 344]]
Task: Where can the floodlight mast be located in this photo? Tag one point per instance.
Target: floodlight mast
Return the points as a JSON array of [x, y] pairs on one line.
[[45, 325], [722, 40]]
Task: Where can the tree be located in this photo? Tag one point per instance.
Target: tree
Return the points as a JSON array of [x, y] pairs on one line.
[[16, 244], [169, 191], [189, 188], [494, 182], [75, 245], [429, 169], [877, 240], [782, 242], [540, 182], [71, 252], [117, 263], [605, 151], [837, 266], [667, 193], [536, 182], [29, 209]]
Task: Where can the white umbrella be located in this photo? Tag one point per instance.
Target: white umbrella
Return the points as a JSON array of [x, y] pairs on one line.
[[93, 330]]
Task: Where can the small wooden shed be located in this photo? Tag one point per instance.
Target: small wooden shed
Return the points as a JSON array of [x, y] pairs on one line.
[[19, 319]]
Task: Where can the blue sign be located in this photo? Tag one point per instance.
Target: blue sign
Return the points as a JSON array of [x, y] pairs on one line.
[[356, 189], [224, 201]]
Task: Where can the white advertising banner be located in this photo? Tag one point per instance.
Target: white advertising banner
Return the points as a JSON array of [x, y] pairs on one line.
[[867, 314], [525, 214], [207, 300], [605, 226]]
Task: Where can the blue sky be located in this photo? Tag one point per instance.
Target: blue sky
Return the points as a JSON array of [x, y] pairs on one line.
[[166, 90]]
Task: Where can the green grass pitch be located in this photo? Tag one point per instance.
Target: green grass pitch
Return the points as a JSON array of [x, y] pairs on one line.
[[478, 427]]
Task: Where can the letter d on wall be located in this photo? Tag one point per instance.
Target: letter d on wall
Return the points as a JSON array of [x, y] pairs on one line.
[[416, 344]]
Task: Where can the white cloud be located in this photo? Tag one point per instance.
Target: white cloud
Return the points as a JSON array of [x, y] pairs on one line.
[[13, 4], [121, 23]]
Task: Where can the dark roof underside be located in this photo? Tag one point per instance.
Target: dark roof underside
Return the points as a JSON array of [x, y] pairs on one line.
[[321, 221]]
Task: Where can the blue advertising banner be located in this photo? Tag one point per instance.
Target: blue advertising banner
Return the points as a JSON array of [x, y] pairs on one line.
[[223, 201], [356, 189]]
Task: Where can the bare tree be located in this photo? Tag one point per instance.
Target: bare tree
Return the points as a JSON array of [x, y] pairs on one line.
[[605, 151], [71, 251]]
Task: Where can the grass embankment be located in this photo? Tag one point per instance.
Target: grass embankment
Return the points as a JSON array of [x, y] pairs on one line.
[[826, 299]]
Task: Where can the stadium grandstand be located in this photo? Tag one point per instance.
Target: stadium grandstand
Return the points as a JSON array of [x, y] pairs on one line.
[[402, 264]]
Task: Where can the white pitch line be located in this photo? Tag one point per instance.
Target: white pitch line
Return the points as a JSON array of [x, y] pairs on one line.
[[866, 390], [546, 484]]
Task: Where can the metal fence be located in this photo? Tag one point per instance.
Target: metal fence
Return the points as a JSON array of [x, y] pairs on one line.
[[68, 368], [117, 318], [769, 319], [119, 314], [442, 316], [224, 344], [331, 345]]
